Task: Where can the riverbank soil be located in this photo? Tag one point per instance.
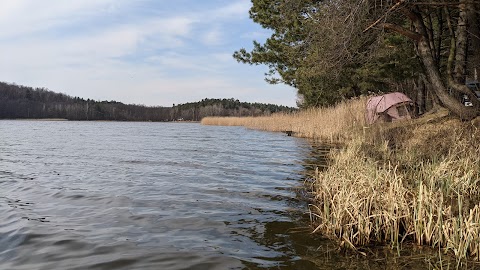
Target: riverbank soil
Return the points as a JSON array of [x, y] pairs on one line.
[[415, 182]]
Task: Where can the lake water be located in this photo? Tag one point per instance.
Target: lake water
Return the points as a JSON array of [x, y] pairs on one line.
[[108, 195]]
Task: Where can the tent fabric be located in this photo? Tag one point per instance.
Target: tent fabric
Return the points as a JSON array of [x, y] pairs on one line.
[[387, 104]]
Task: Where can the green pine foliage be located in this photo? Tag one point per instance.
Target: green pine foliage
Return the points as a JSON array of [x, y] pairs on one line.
[[319, 47]]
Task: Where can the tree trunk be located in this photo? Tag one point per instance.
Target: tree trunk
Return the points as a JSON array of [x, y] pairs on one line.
[[420, 85], [435, 79], [439, 35], [434, 76], [461, 46], [458, 55], [474, 31]]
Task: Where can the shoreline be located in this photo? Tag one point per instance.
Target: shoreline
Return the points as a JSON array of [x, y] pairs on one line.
[[67, 120], [38, 119], [390, 183]]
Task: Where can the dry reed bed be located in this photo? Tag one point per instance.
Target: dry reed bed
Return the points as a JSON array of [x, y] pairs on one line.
[[396, 195], [333, 124]]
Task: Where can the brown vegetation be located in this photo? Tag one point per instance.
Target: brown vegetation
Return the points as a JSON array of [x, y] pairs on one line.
[[425, 189], [334, 123]]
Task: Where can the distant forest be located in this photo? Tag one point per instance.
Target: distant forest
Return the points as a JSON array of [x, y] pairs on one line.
[[22, 102]]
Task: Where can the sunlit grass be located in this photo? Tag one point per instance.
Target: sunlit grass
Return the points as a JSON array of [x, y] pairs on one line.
[[360, 200], [334, 123]]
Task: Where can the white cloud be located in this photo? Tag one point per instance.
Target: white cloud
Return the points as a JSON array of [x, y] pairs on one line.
[[176, 61], [31, 17], [238, 9], [79, 47], [223, 57], [104, 44], [178, 25], [213, 37]]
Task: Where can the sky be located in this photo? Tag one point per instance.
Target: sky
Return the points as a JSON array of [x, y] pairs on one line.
[[151, 52]]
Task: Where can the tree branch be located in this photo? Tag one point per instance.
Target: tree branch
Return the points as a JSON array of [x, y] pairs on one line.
[[402, 31], [442, 3], [399, 2]]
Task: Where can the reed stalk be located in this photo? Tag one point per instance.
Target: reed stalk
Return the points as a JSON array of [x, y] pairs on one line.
[[333, 124], [426, 189]]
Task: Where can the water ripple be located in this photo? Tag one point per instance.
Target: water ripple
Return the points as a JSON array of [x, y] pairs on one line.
[[89, 195]]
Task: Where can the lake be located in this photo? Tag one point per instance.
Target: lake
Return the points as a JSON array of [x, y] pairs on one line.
[[111, 195]]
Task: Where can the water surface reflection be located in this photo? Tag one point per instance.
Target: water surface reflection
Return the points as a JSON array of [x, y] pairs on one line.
[[104, 195]]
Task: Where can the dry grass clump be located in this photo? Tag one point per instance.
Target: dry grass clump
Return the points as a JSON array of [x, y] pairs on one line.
[[358, 203], [404, 194], [333, 123]]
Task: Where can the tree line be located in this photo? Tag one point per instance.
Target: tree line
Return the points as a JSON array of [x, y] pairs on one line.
[[337, 49], [225, 107], [22, 102]]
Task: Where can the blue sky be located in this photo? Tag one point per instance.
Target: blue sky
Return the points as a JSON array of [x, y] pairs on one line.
[[152, 52]]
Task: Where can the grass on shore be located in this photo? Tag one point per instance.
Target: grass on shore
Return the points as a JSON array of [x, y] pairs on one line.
[[415, 181], [331, 124], [425, 191]]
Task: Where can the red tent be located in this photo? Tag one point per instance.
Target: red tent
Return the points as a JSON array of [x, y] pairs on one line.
[[389, 107]]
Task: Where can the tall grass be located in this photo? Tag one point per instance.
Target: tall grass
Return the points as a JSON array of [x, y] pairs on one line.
[[333, 124], [425, 190]]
